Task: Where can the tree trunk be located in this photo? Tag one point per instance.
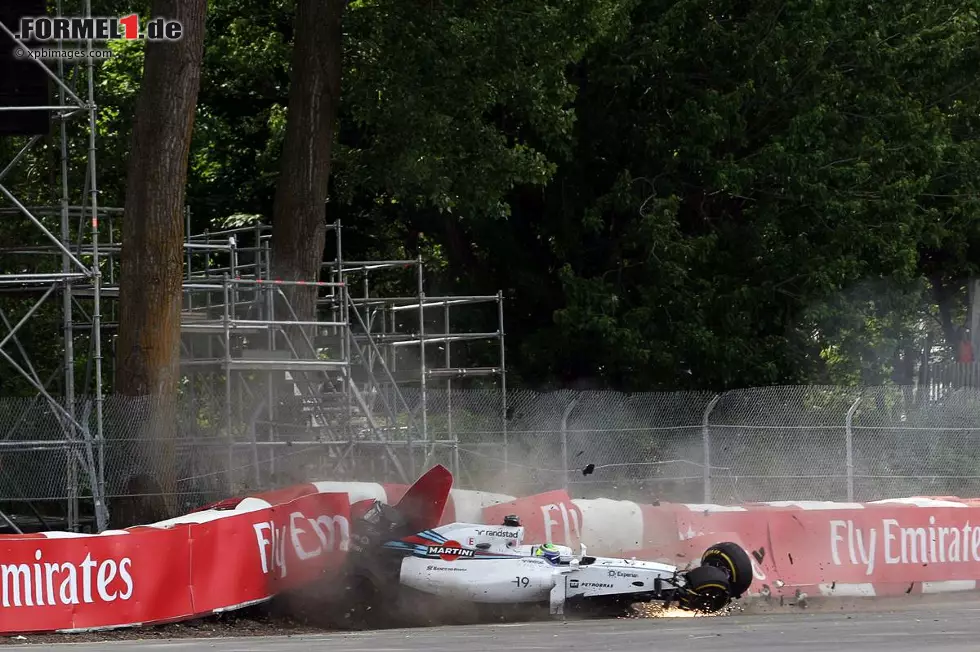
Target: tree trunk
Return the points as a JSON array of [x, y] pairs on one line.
[[299, 211], [148, 348]]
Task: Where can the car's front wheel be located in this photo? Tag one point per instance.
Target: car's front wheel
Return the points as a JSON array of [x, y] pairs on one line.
[[731, 558], [706, 590]]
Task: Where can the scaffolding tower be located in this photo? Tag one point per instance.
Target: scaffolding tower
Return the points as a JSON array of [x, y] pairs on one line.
[[74, 442]]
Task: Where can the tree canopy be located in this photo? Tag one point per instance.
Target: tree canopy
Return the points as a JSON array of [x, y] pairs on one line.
[[671, 193]]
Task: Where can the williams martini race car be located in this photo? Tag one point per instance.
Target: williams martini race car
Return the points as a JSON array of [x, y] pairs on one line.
[[400, 551]]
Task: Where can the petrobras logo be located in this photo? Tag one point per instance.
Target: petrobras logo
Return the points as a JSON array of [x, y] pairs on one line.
[[50, 584], [106, 28], [450, 551], [500, 534], [331, 533]]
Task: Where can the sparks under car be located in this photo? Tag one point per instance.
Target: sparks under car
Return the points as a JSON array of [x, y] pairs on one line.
[[401, 550]]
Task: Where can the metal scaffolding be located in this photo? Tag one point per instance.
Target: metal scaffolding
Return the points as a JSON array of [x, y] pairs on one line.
[[357, 379], [80, 436], [350, 372]]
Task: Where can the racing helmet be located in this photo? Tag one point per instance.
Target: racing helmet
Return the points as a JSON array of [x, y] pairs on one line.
[[549, 551]]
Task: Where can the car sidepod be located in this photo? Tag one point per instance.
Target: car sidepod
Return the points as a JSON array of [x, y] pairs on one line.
[[613, 577], [482, 579]]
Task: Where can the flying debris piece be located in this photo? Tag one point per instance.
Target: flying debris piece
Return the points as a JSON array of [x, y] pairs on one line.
[[588, 470]]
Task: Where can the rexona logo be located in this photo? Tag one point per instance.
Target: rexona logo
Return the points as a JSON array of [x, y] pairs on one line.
[[450, 551], [332, 533], [502, 534], [53, 584]]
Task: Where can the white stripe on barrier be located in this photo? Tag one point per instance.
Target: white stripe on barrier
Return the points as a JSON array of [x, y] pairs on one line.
[[79, 535], [949, 586], [695, 507], [839, 590], [468, 504], [355, 490], [610, 526], [814, 504], [919, 501], [245, 506]]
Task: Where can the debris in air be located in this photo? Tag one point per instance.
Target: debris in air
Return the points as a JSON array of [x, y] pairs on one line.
[[759, 554], [589, 469]]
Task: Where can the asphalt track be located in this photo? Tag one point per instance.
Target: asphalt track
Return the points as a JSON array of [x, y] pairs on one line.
[[951, 629]]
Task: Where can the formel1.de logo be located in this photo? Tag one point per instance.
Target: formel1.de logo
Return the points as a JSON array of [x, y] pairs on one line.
[[107, 28]]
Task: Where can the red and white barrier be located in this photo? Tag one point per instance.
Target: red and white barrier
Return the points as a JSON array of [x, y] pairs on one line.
[[817, 547], [203, 563], [892, 547], [246, 550]]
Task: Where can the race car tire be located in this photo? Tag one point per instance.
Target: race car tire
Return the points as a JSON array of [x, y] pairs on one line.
[[706, 590], [731, 558]]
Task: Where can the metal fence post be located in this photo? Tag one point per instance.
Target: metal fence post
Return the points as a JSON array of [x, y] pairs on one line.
[[706, 442], [564, 440], [849, 446]]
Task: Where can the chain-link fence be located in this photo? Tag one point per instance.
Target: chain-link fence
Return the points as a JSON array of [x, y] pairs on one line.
[[775, 443]]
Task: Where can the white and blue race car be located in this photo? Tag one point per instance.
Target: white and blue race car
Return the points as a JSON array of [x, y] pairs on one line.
[[391, 557]]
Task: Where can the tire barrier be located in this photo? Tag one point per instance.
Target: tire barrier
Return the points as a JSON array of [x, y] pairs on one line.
[[245, 550]]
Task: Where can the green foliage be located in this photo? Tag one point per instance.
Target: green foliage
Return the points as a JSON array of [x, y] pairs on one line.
[[744, 170], [673, 194]]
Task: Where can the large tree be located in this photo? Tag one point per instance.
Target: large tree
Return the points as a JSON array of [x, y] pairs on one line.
[[148, 347], [299, 213]]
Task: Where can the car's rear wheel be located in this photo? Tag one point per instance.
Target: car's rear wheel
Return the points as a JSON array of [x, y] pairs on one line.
[[706, 590], [731, 558]]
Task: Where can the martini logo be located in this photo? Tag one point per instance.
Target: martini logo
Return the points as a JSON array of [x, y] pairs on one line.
[[450, 551]]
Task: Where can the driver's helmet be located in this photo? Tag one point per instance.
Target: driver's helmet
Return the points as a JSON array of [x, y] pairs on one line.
[[549, 551]]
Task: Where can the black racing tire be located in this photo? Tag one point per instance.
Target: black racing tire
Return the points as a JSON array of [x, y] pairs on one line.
[[706, 590], [731, 558]]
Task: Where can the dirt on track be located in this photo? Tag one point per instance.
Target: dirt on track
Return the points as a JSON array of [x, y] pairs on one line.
[[285, 618], [247, 622]]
